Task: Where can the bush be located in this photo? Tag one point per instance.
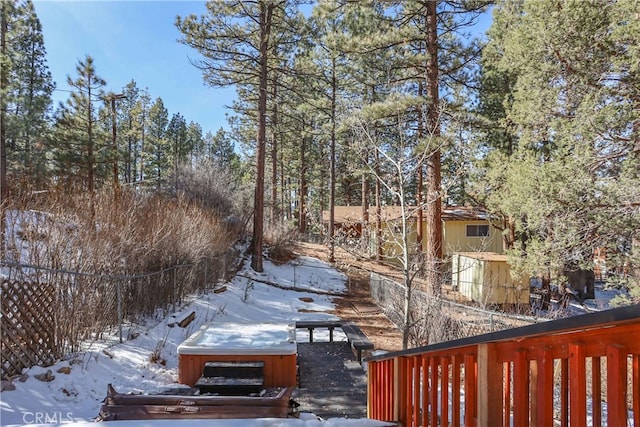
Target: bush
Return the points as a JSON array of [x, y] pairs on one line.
[[212, 186], [280, 241], [133, 233]]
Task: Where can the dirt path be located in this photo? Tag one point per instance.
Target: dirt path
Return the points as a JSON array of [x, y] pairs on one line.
[[358, 306]]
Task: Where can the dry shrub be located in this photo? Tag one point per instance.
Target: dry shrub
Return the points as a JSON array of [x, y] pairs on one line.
[[429, 320], [280, 241], [432, 324], [110, 257], [214, 187], [130, 233]]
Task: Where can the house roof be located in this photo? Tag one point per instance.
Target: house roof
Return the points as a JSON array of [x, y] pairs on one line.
[[353, 214]]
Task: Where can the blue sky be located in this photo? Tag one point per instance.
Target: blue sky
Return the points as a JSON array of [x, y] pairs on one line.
[[136, 39], [132, 40]]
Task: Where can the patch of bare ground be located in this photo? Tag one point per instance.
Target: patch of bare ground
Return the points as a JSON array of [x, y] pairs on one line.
[[357, 306]]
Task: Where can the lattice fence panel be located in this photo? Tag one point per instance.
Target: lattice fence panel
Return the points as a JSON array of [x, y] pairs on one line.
[[27, 326]]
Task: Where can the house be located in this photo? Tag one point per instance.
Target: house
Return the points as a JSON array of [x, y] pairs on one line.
[[473, 248], [464, 229]]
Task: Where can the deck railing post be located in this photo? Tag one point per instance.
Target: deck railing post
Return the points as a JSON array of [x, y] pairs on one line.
[[489, 386]]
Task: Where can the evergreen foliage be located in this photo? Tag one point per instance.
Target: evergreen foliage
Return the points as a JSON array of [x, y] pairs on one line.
[[79, 144], [26, 94], [560, 162], [367, 103]]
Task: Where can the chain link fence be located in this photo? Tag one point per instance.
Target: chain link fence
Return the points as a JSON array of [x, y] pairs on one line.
[[49, 313], [435, 319]]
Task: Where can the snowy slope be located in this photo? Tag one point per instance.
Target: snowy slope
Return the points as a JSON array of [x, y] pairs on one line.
[[76, 396]]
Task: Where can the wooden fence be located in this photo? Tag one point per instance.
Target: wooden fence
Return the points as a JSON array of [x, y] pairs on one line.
[[48, 313], [577, 371]]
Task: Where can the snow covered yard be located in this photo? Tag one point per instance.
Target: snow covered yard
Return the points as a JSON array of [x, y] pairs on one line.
[[149, 362]]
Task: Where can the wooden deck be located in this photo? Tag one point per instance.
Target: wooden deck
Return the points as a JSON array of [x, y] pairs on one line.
[[332, 383]]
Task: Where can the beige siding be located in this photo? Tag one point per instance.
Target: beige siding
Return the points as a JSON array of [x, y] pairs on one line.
[[486, 278], [456, 240], [454, 234], [392, 235]]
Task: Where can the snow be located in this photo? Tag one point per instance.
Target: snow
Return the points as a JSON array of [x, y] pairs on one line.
[[241, 338], [74, 398]]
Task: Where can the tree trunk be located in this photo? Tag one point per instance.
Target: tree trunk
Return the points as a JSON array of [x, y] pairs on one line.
[[420, 198], [332, 166], [144, 113], [378, 210], [274, 157], [266, 11], [4, 193], [365, 209], [90, 155], [434, 200], [302, 218]]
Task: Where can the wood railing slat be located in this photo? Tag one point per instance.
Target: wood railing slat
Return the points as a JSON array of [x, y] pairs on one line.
[[433, 392], [489, 386], [455, 390], [578, 385], [521, 390], [616, 385], [444, 391], [407, 392], [424, 375], [469, 390], [507, 394], [544, 397]]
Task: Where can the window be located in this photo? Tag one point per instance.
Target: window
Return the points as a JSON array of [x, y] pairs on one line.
[[477, 230]]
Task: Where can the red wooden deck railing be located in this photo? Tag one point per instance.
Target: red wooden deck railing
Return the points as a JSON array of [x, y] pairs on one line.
[[578, 371]]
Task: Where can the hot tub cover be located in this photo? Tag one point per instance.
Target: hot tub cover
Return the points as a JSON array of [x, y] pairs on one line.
[[241, 339]]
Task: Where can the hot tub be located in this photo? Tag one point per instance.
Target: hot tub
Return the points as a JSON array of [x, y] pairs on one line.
[[272, 343]]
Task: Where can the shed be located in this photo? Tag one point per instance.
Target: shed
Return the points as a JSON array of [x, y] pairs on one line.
[[486, 277]]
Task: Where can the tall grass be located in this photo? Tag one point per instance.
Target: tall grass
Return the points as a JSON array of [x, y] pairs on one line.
[[127, 232]]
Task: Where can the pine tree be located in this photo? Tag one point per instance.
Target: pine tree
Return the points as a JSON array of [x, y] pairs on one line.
[[29, 97], [220, 148], [25, 99], [236, 40], [327, 56], [437, 56], [130, 130], [177, 140], [80, 147], [142, 108], [6, 10], [570, 112], [195, 140], [157, 149]]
